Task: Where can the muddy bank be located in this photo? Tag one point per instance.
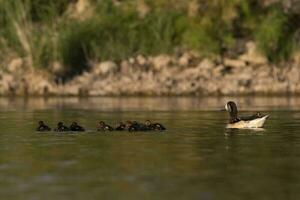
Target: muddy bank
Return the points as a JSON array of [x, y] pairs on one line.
[[184, 74]]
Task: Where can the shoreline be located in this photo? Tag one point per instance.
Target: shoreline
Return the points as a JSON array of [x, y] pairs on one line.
[[188, 74]]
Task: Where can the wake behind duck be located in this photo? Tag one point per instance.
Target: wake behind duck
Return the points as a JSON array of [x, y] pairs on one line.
[[254, 121]]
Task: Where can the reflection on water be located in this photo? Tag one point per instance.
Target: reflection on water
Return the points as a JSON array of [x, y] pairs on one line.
[[196, 158], [150, 104]]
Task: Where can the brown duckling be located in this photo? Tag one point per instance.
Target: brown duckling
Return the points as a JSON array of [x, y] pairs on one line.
[[132, 126], [43, 127], [61, 127], [102, 126], [154, 126], [135, 126], [75, 127], [121, 127]]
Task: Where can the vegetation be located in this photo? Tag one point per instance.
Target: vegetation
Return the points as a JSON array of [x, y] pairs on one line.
[[47, 32]]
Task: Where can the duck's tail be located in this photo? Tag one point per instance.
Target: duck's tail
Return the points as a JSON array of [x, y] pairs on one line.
[[258, 122]]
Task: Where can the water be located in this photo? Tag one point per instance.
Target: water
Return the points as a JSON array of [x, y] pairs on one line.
[[197, 158]]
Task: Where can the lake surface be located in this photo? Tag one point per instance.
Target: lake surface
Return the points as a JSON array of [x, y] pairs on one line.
[[196, 158]]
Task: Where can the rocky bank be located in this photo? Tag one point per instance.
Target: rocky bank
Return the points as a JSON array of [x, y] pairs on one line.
[[184, 74]]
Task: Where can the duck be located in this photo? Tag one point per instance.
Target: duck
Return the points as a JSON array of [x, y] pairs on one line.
[[77, 128], [120, 127], [102, 126], [132, 126], [61, 127], [42, 127], [255, 121], [154, 126]]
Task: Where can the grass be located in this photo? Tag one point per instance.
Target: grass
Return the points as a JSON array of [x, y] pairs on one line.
[[275, 36], [42, 31]]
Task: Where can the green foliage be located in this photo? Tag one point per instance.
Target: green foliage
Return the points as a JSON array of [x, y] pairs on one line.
[[115, 34], [212, 30], [275, 36], [43, 10], [23, 36], [41, 30]]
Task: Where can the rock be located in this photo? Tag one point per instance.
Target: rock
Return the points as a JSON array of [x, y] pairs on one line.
[[84, 79], [83, 91], [6, 78], [125, 67], [234, 63], [15, 65], [217, 71], [237, 49], [161, 61], [142, 8], [80, 10], [5, 83], [70, 89], [105, 68], [293, 76], [131, 60], [141, 60], [206, 64], [184, 60], [57, 68], [296, 58], [252, 55], [44, 87]]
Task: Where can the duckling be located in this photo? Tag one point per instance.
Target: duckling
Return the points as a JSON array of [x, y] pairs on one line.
[[143, 127], [61, 127], [154, 126], [128, 124], [121, 127], [75, 127], [43, 127], [255, 121], [132, 126], [102, 126]]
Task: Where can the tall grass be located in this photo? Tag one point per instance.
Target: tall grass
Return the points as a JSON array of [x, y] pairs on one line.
[[41, 30], [275, 36], [27, 37], [114, 34]]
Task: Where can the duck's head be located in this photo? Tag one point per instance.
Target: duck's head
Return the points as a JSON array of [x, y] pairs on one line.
[[41, 123], [148, 123], [74, 124], [101, 123], [121, 124], [230, 106], [232, 109], [60, 124], [129, 123]]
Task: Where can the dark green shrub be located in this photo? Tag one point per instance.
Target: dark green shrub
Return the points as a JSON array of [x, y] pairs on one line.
[[115, 34], [275, 36]]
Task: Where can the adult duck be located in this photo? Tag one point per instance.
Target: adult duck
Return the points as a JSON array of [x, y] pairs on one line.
[[255, 121]]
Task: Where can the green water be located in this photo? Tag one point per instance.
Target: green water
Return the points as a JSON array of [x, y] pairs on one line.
[[196, 158]]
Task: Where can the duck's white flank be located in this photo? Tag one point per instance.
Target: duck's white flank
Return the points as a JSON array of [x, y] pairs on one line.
[[255, 123]]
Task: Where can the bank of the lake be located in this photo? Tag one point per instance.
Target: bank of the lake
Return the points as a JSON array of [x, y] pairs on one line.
[[184, 74]]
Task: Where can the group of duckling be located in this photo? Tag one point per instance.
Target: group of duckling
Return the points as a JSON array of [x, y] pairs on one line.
[[131, 126]]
